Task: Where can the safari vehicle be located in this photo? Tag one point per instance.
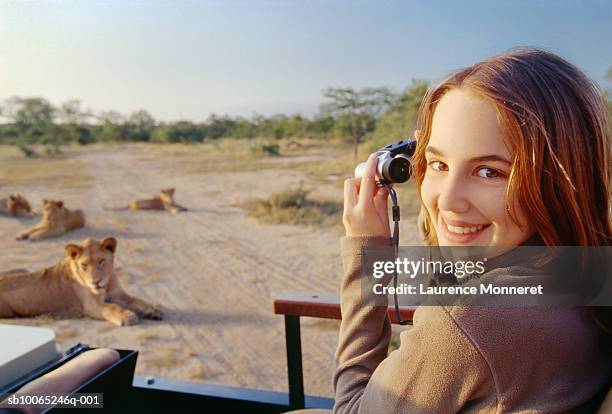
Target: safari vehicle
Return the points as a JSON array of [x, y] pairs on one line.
[[33, 354], [124, 392]]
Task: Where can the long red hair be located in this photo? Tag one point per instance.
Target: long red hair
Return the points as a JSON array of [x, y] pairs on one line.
[[557, 128]]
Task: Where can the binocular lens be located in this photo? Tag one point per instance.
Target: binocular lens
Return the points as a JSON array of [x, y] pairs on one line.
[[397, 170]]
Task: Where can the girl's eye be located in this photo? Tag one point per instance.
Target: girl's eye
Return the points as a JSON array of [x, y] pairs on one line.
[[487, 172], [438, 166], [84, 266], [100, 261]]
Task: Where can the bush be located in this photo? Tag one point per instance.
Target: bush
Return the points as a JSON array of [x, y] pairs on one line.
[[27, 151], [53, 150], [293, 206], [267, 149]]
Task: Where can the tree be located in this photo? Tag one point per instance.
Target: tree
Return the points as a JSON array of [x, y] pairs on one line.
[[243, 128], [34, 120], [356, 111], [320, 126], [70, 112], [75, 122], [400, 119], [181, 131], [32, 116], [140, 126], [219, 126], [110, 126]]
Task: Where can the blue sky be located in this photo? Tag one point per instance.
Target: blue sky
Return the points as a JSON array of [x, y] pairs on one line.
[[186, 60]]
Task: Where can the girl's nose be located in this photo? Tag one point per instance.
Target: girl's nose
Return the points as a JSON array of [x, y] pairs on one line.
[[453, 196]]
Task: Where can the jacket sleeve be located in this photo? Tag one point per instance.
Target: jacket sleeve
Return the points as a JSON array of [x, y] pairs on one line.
[[436, 369]]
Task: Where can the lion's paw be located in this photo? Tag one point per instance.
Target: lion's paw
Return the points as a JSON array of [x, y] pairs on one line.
[[153, 312], [128, 318]]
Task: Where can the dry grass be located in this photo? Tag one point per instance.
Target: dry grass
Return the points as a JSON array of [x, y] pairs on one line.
[[62, 171], [231, 147], [294, 206], [318, 159], [333, 170], [10, 151]]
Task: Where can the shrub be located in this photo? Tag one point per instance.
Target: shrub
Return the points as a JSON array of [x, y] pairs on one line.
[[293, 206], [267, 149], [27, 151]]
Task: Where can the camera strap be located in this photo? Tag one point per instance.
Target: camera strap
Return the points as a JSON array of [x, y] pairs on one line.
[[395, 241]]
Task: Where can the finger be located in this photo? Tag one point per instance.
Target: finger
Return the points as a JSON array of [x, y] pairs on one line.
[[381, 204], [350, 193], [368, 180]]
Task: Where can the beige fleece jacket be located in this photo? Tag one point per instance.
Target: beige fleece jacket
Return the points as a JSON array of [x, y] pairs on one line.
[[464, 359]]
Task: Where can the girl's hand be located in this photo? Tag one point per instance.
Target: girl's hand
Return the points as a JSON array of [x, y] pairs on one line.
[[365, 205]]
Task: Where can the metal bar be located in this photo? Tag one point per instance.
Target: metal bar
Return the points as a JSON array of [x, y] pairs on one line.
[[172, 392], [294, 362]]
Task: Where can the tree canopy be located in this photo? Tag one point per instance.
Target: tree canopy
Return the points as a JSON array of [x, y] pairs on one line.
[[373, 115]]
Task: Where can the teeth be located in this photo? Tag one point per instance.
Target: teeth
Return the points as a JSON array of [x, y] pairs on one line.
[[463, 230]]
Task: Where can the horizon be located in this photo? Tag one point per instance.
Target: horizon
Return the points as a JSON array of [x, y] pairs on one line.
[[187, 61]]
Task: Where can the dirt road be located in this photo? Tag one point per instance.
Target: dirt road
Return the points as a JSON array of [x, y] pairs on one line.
[[215, 271]]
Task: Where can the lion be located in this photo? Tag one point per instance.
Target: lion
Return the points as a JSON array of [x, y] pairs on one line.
[[84, 282], [15, 205], [56, 221], [164, 201]]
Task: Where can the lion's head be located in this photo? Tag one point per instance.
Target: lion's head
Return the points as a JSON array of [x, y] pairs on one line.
[[92, 263], [167, 196], [18, 205], [52, 210]]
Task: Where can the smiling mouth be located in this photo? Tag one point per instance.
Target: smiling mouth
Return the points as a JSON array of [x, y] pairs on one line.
[[463, 230]]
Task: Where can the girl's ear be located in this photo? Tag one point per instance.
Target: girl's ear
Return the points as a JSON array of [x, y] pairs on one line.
[[417, 132]]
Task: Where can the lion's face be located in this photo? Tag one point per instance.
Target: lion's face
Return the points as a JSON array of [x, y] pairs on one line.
[[167, 196], [92, 263], [17, 204], [52, 209]]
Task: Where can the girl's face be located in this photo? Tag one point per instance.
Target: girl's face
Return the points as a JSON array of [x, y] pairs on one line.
[[468, 166]]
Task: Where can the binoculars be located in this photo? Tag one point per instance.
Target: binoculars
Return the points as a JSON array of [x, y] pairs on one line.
[[393, 162]]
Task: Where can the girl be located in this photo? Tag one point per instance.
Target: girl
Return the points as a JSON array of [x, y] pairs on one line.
[[512, 150]]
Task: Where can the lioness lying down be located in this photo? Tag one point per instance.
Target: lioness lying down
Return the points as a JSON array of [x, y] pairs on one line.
[[15, 205], [84, 281], [56, 221], [164, 201]]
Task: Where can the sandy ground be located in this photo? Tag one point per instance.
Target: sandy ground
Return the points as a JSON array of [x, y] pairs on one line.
[[215, 271]]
